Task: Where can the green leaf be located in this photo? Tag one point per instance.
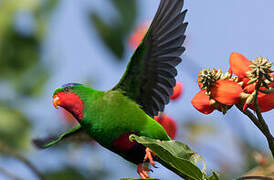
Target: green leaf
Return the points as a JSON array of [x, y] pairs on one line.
[[214, 176], [72, 173], [175, 156], [14, 128], [114, 35], [38, 75], [18, 53]]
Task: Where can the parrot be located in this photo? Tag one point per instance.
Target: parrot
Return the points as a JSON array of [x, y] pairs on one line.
[[110, 117]]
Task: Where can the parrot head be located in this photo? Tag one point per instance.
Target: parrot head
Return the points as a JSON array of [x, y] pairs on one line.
[[70, 97]]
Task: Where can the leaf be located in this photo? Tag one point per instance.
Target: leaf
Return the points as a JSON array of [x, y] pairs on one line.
[[67, 174], [115, 34], [175, 156], [214, 176], [14, 128], [18, 53], [38, 75], [72, 173]]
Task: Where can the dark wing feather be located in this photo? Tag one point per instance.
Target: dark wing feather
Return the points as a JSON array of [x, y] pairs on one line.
[[76, 134], [150, 75]]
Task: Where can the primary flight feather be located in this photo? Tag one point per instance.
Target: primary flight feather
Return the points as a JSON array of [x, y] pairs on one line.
[[110, 117]]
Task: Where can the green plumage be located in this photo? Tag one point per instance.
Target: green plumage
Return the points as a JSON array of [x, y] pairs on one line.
[[141, 93], [108, 115]]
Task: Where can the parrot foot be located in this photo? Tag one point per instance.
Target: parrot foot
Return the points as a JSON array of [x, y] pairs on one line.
[[143, 171], [149, 157]]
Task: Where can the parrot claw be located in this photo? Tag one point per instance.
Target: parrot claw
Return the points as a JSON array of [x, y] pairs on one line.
[[143, 171], [149, 157]]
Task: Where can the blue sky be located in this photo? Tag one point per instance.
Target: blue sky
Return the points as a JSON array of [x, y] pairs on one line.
[[216, 28]]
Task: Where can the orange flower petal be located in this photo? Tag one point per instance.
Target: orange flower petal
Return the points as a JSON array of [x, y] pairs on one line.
[[177, 91], [226, 92], [239, 64], [265, 102], [168, 124], [250, 88], [201, 102]]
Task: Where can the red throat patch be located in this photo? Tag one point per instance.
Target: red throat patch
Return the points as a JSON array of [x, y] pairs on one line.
[[123, 143], [72, 103]]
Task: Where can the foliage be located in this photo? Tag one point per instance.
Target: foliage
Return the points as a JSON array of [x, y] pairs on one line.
[[12, 121], [175, 156], [72, 173], [114, 35], [23, 73]]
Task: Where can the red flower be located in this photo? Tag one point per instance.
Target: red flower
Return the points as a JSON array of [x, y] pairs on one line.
[[177, 91], [202, 103], [198, 79], [239, 64], [265, 102], [226, 92], [249, 88], [168, 124], [138, 35]]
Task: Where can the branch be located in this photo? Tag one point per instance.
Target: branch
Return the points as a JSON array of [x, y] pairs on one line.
[[265, 130], [255, 177], [5, 149], [8, 174], [251, 116]]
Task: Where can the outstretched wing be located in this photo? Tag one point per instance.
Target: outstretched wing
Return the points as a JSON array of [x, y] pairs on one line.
[[77, 134], [150, 75]]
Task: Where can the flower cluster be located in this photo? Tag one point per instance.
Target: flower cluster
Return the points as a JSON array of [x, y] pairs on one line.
[[221, 91]]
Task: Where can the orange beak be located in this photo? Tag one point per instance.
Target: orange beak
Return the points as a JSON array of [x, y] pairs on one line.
[[56, 101]]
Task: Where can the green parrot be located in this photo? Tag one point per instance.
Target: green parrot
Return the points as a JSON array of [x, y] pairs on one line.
[[110, 117]]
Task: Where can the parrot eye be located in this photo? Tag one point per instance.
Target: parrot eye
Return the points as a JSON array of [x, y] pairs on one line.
[[66, 89]]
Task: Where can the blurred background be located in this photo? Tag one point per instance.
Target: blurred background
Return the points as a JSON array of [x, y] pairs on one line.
[[47, 43]]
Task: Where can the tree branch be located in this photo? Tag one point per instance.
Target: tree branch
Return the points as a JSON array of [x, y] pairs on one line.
[[265, 130], [8, 174], [6, 150], [255, 177], [260, 126], [251, 116]]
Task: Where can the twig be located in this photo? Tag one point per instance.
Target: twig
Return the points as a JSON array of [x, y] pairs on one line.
[[251, 116], [8, 174], [5, 149], [265, 130], [255, 177]]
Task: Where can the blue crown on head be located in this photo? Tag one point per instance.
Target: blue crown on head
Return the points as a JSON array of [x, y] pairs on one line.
[[71, 84]]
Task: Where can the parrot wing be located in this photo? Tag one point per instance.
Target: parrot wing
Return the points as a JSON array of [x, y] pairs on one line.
[[150, 75], [75, 133]]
